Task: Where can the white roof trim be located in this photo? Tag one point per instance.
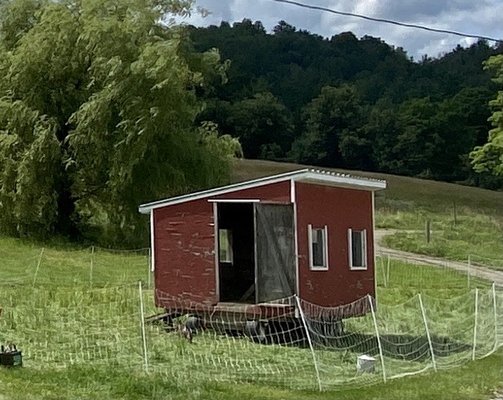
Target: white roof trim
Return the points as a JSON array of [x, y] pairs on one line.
[[342, 180], [303, 175], [233, 200]]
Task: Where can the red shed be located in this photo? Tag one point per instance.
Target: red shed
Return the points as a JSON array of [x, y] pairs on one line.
[[307, 233]]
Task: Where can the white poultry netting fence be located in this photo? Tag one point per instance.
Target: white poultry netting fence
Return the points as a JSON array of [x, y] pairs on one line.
[[92, 267], [325, 348], [422, 271], [289, 342]]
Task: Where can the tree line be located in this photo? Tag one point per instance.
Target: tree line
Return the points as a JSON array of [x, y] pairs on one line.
[[107, 104], [352, 103]]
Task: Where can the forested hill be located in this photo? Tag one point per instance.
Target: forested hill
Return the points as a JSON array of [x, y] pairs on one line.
[[348, 102]]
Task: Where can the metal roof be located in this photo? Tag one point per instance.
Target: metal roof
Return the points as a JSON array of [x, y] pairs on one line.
[[304, 175]]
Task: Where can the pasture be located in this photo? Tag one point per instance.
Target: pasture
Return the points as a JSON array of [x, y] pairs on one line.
[[77, 312]]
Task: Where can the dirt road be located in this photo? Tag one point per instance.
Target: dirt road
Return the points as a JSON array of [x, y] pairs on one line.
[[475, 270]]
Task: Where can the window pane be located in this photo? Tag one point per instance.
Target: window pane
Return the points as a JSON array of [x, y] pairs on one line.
[[225, 245], [318, 247], [357, 249]]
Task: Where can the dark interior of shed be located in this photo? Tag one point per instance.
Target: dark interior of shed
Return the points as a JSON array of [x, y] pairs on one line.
[[236, 252]]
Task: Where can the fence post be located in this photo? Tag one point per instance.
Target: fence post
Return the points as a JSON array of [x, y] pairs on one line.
[[475, 325], [303, 318], [468, 268], [38, 266], [383, 270], [369, 297], [428, 333], [142, 325], [91, 267]]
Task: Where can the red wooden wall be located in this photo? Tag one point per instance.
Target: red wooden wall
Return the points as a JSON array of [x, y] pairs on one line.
[[275, 192], [184, 257], [339, 209], [184, 243]]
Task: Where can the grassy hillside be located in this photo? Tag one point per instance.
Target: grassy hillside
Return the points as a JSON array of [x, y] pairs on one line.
[[465, 221], [402, 192]]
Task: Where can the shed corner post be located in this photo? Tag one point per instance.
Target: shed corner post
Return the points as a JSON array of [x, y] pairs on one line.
[[216, 250], [152, 241], [374, 252], [293, 201]]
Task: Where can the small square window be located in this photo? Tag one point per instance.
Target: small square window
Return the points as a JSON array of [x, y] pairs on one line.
[[357, 249], [225, 254], [318, 247]]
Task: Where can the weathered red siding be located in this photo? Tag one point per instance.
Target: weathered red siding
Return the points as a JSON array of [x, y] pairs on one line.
[[184, 251], [184, 236], [185, 243], [274, 192], [339, 209]]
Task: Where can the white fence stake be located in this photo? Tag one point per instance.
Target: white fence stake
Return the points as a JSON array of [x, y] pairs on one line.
[[301, 312], [475, 325], [495, 306], [38, 266], [378, 338], [91, 267], [388, 265], [149, 271], [142, 324], [428, 333]]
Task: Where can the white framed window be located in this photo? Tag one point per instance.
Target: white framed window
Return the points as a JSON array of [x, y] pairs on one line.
[[357, 248], [318, 247], [225, 253]]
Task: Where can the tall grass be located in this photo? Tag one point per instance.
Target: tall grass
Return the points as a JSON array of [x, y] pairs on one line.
[[475, 237], [28, 263], [62, 323]]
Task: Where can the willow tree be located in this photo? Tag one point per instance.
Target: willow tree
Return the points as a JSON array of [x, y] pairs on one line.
[[98, 100], [489, 157]]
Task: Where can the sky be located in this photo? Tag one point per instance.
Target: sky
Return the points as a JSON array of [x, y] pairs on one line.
[[480, 17]]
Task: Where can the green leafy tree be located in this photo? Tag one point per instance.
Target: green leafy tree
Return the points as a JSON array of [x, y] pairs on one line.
[[333, 134], [489, 157], [263, 125], [418, 141], [97, 110], [383, 128]]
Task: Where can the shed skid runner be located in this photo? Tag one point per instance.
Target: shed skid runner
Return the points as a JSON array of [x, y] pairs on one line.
[[276, 321]]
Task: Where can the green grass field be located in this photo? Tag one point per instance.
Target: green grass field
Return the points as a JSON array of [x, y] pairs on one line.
[[75, 313], [81, 338]]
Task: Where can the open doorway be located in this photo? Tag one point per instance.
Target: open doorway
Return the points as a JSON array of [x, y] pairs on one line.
[[236, 252]]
